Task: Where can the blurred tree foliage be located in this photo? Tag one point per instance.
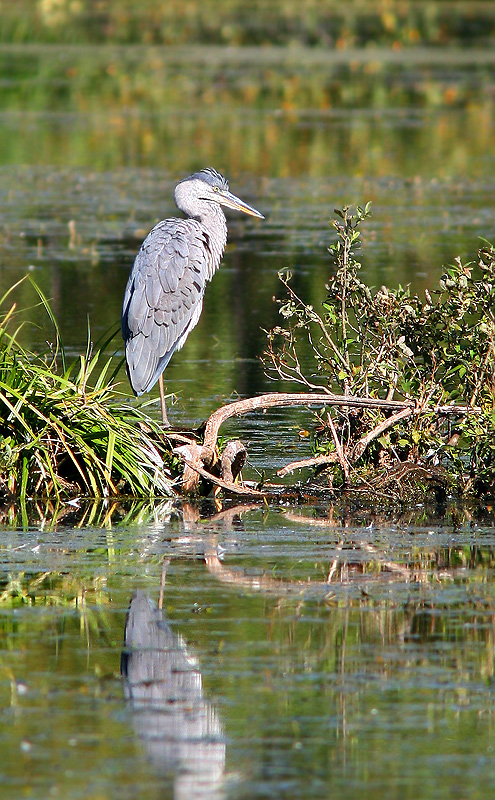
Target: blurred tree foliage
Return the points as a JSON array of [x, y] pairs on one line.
[[233, 22]]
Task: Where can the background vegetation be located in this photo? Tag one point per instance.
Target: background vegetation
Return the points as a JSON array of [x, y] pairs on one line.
[[234, 22]]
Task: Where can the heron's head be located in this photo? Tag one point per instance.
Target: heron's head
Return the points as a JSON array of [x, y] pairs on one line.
[[208, 186]]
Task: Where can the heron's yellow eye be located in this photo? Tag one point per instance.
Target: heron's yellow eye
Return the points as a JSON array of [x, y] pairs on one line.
[[215, 188]]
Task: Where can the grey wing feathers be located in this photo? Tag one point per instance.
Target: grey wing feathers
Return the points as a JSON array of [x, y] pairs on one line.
[[163, 299]]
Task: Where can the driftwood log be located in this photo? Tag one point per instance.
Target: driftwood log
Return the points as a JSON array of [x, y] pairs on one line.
[[202, 461]]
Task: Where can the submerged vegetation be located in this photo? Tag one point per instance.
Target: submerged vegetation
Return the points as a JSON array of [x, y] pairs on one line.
[[435, 354]]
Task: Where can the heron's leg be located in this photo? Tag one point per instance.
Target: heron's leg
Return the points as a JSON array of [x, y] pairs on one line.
[[163, 404]]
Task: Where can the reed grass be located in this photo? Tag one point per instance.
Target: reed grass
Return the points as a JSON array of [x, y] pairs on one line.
[[63, 428]]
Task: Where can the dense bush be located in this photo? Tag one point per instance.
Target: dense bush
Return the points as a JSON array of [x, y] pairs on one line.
[[437, 351]]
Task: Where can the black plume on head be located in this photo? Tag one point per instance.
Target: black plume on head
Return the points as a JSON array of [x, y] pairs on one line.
[[209, 176]]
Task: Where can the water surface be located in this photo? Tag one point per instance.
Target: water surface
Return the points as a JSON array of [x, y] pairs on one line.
[[326, 653]]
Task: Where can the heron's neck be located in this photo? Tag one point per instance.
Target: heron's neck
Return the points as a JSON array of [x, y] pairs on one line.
[[215, 227]]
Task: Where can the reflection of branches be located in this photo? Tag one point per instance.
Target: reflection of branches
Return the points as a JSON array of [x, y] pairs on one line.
[[338, 570], [389, 566], [351, 558], [255, 583], [386, 565], [192, 516], [267, 584]]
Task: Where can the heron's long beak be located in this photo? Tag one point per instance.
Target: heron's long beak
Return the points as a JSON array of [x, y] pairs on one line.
[[231, 201]]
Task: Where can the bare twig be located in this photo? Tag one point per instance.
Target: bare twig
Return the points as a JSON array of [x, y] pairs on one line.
[[318, 320], [363, 443], [338, 448], [307, 462]]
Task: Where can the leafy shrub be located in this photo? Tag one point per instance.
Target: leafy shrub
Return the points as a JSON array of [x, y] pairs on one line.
[[437, 351]]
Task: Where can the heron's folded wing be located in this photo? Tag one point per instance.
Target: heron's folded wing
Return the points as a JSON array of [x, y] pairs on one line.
[[163, 298]]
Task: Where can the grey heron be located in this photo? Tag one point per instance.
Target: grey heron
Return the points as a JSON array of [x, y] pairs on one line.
[[164, 294]]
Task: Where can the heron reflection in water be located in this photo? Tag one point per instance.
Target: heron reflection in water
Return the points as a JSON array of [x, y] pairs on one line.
[[164, 294], [181, 731]]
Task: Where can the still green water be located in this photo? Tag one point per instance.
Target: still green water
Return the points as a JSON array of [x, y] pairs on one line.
[[320, 653], [307, 653]]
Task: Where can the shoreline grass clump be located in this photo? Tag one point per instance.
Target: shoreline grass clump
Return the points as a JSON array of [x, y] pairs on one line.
[[63, 429]]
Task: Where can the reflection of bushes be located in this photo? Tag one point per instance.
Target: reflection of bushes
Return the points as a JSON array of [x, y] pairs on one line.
[[258, 111], [233, 22], [271, 112]]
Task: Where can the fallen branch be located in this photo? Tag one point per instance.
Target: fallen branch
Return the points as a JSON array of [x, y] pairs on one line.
[[230, 487], [282, 399], [202, 460]]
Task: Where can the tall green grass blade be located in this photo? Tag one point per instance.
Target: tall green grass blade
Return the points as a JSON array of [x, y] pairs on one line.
[[25, 475], [46, 305], [110, 452]]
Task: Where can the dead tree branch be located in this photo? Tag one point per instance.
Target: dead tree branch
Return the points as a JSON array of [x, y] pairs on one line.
[[284, 400], [363, 443], [317, 461], [190, 484], [199, 460]]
